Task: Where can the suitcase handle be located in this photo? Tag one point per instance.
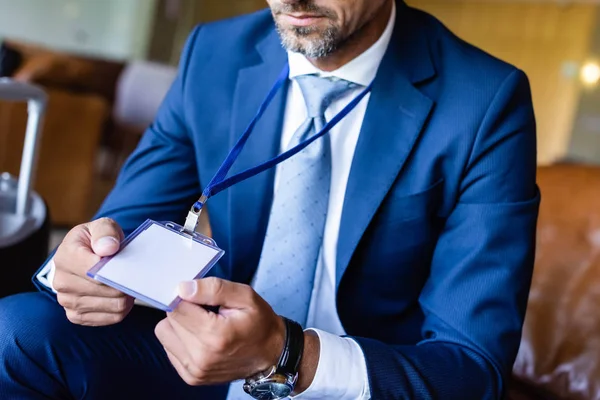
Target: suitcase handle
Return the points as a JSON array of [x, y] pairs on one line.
[[37, 100]]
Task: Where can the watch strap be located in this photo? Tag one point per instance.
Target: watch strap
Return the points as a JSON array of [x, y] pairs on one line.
[[289, 361]]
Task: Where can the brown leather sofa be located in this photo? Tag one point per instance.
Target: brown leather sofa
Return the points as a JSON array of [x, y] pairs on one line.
[[559, 357], [81, 92]]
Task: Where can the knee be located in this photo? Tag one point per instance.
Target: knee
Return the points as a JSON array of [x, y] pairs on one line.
[[28, 323], [33, 334]]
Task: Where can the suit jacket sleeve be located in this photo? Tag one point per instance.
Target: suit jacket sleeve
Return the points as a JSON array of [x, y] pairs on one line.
[[475, 298], [160, 178]]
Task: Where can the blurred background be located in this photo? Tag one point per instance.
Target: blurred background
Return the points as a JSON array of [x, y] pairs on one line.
[[106, 65]]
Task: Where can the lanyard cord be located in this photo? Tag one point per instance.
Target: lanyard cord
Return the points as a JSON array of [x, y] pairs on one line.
[[218, 183]]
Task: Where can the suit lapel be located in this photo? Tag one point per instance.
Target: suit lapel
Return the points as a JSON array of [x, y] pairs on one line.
[[250, 200], [395, 116]]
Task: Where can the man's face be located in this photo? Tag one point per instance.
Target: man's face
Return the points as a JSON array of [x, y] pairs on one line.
[[316, 28]]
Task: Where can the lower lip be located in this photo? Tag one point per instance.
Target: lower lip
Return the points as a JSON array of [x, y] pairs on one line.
[[306, 21]]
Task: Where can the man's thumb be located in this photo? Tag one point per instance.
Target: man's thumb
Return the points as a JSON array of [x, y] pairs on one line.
[[105, 246], [106, 235]]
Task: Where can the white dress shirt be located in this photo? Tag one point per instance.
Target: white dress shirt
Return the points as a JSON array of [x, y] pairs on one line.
[[342, 371]]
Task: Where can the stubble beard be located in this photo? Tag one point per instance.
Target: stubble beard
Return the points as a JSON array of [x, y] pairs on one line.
[[298, 40]]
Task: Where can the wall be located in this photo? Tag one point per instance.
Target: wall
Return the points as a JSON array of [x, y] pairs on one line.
[[116, 29], [173, 25], [585, 140], [547, 40], [209, 10]]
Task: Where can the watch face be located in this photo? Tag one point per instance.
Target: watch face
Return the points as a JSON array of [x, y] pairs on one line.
[[271, 391]]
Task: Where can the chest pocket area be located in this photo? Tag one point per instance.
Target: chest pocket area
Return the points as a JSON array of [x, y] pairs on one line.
[[410, 223]]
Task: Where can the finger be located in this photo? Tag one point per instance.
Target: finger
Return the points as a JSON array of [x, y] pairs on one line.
[[94, 319], [106, 236], [85, 244], [75, 254], [169, 339], [181, 370], [88, 304], [67, 282], [191, 325], [217, 292], [181, 352], [194, 317]]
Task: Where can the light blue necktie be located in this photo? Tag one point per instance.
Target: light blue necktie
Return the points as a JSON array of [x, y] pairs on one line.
[[286, 270]]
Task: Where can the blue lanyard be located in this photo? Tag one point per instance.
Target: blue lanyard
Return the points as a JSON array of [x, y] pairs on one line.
[[219, 183]]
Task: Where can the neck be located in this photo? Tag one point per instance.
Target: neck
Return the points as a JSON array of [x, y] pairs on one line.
[[358, 42]]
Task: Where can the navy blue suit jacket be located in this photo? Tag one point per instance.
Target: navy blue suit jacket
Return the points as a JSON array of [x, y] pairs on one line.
[[436, 249]]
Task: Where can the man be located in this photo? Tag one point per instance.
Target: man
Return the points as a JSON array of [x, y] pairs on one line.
[[404, 238]]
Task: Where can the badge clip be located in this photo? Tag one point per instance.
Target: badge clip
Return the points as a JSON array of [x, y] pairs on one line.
[[191, 221]]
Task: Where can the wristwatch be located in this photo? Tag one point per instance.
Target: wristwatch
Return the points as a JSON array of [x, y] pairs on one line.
[[278, 381]]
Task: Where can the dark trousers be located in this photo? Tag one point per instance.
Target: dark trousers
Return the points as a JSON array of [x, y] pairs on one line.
[[44, 356]]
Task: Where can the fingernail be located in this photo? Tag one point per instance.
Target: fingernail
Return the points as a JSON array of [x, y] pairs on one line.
[[107, 241], [187, 289]]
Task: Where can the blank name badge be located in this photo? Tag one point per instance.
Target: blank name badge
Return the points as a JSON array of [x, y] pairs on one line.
[[154, 260]]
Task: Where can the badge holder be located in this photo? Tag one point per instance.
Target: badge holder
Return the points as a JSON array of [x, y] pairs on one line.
[[154, 260], [151, 267]]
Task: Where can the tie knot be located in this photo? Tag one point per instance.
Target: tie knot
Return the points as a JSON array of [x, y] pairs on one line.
[[319, 93]]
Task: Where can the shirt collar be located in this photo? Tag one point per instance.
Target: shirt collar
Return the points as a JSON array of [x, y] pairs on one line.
[[361, 70]]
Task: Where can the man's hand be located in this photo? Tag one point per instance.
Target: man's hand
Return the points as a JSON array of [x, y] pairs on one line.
[[86, 301], [244, 338]]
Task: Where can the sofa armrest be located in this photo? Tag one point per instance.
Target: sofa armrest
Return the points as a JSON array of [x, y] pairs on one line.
[[67, 71], [560, 346], [54, 70]]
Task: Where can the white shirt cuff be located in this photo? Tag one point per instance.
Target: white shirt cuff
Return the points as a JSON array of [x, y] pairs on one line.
[[46, 275], [341, 372], [46, 278]]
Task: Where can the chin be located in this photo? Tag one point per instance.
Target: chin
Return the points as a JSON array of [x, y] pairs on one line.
[[313, 42]]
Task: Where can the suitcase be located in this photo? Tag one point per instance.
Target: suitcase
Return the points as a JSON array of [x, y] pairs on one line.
[[24, 216]]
